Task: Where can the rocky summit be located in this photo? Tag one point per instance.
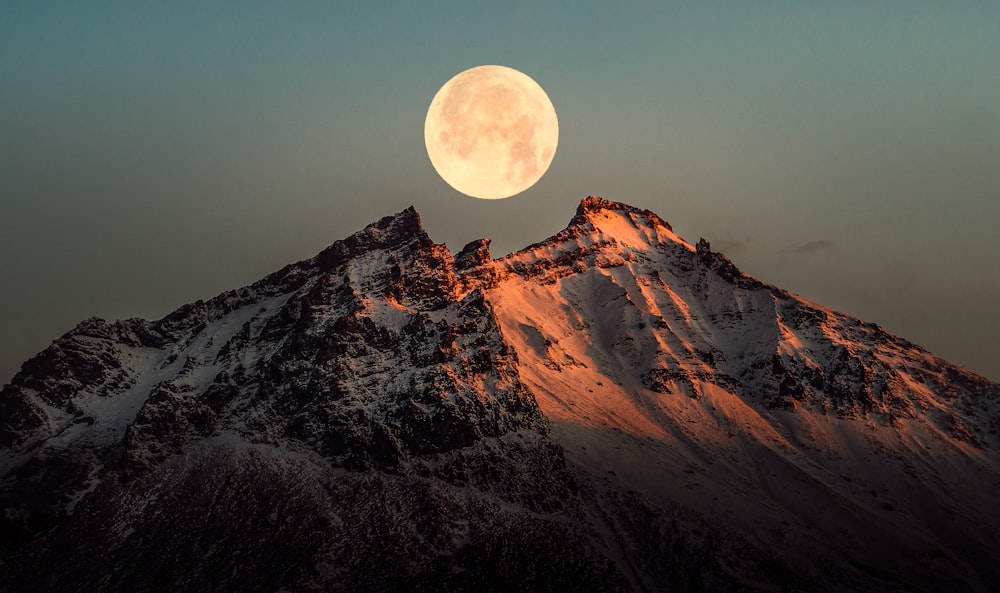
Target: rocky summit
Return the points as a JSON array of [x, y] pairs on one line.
[[611, 409]]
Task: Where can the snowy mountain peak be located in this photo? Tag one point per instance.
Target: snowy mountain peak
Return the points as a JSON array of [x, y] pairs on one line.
[[614, 219], [602, 234], [606, 221], [611, 409], [596, 204], [399, 231]]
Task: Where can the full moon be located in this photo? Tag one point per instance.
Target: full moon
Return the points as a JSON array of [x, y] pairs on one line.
[[491, 132]]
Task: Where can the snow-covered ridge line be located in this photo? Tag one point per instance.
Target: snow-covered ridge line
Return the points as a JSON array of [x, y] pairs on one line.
[[631, 403]]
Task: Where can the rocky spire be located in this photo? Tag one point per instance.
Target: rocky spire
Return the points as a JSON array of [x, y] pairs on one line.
[[391, 232]]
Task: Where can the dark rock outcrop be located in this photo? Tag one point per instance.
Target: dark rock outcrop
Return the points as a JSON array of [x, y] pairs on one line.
[[380, 417]]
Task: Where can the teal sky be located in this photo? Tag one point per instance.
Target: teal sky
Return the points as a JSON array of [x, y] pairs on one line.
[[154, 155]]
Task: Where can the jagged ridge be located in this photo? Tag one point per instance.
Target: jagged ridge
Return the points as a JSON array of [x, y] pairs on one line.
[[604, 393]]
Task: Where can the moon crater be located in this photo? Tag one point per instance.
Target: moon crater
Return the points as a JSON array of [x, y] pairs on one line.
[[491, 132]]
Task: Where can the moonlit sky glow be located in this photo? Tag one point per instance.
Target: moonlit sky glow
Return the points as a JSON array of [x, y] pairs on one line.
[[152, 155]]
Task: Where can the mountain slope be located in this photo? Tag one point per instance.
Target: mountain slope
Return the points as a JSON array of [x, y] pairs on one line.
[[610, 409], [659, 363]]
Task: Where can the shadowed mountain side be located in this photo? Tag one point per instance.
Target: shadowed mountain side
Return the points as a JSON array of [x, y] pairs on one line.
[[610, 409]]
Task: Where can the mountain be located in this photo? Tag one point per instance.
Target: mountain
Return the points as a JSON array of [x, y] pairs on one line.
[[612, 409]]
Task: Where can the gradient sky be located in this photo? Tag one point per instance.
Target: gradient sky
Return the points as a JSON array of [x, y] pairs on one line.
[[155, 154]]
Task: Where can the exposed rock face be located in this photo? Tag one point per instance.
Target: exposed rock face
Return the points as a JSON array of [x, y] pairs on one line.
[[610, 409]]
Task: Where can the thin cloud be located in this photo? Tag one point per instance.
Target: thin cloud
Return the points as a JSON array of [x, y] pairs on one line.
[[730, 245], [809, 246]]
